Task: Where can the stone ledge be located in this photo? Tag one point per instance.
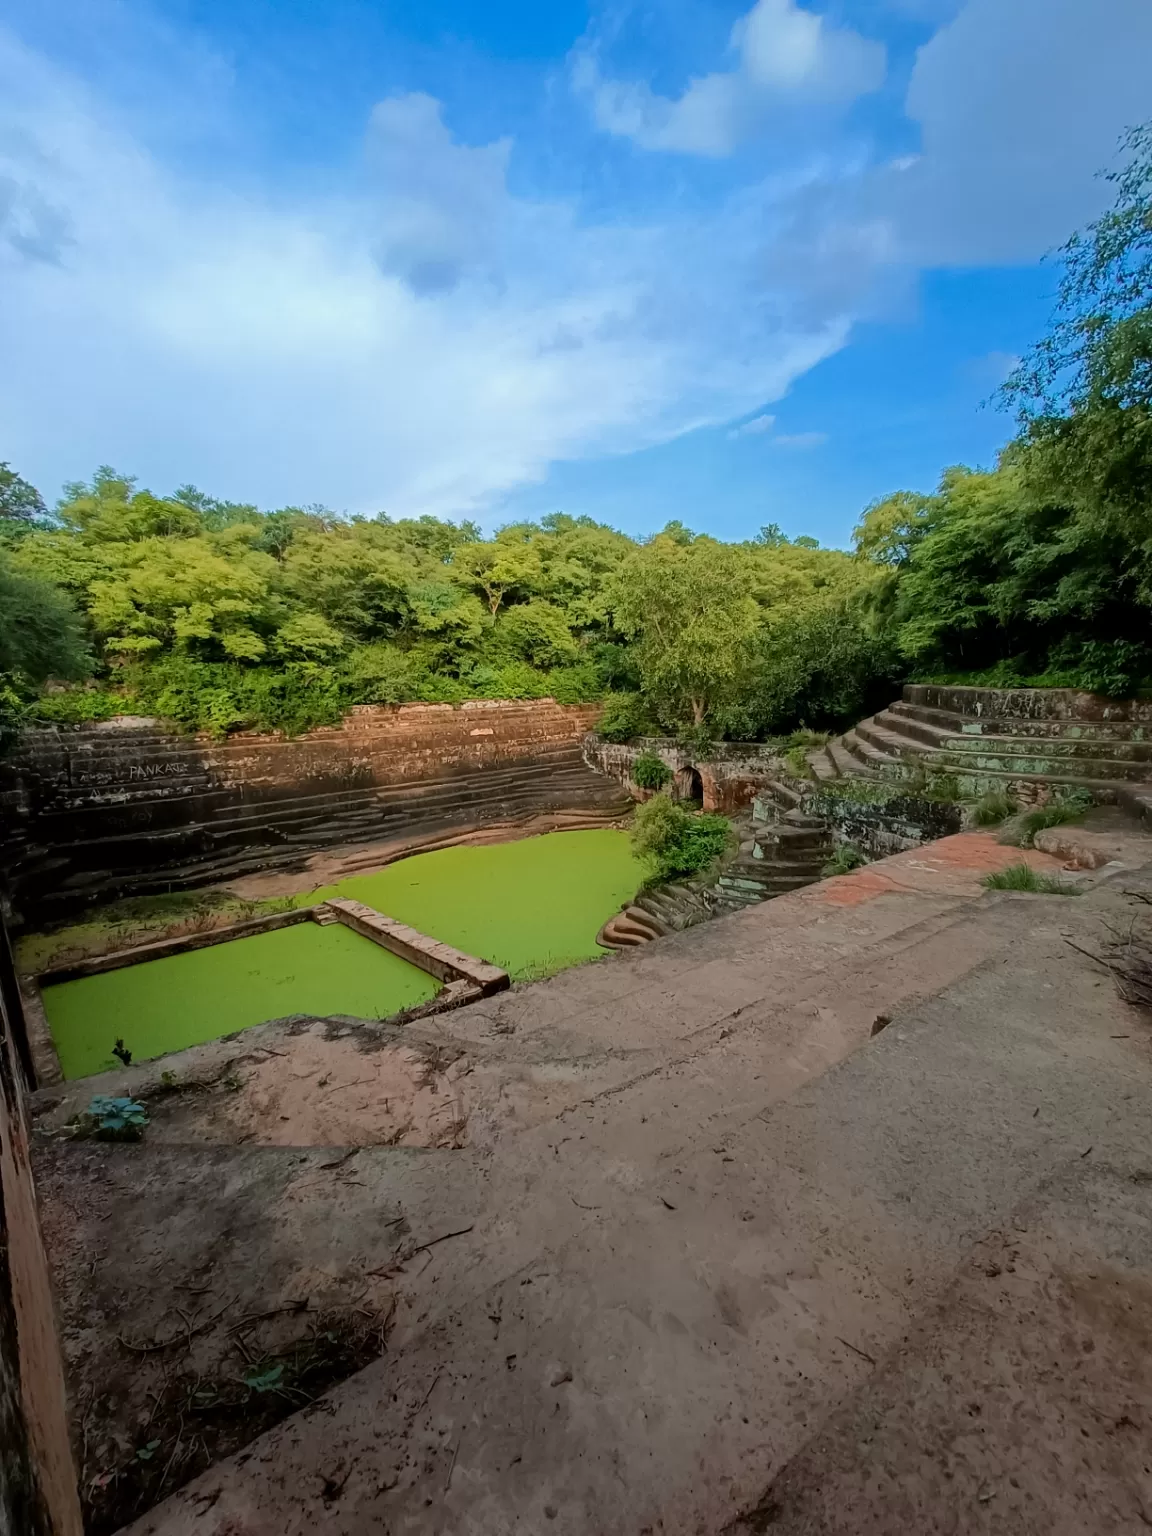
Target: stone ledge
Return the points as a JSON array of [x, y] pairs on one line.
[[160, 949], [439, 960]]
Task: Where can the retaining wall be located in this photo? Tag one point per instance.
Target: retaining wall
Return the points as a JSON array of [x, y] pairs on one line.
[[37, 1480], [730, 777], [129, 807]]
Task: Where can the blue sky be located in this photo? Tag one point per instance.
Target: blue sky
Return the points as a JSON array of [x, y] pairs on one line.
[[732, 263]]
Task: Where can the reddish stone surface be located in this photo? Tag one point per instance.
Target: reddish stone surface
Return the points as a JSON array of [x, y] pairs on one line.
[[952, 866]]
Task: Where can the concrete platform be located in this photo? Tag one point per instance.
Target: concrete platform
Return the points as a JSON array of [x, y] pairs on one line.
[[720, 1202]]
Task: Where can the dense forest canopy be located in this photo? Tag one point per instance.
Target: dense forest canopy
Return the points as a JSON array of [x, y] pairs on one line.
[[217, 615]]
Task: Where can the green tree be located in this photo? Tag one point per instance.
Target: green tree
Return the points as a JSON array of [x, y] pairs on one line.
[[507, 569], [687, 608], [19, 501], [41, 633]]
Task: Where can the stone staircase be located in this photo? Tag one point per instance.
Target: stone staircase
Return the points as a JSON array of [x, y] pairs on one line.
[[783, 856], [664, 909], [1035, 742]]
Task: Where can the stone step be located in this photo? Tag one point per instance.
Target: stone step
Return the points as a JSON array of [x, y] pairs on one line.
[[895, 743], [949, 721], [846, 764], [1088, 772], [1047, 745], [224, 808], [823, 764], [788, 839], [867, 759]]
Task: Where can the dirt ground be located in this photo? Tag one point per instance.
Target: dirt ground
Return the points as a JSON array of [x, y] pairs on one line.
[[205, 1297], [730, 1232]]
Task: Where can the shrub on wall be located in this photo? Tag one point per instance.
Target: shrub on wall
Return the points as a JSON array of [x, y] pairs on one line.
[[676, 842], [650, 771]]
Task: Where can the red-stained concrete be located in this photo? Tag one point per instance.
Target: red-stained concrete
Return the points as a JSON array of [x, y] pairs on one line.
[[952, 866]]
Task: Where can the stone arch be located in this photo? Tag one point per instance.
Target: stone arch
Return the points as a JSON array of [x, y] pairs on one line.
[[688, 784]]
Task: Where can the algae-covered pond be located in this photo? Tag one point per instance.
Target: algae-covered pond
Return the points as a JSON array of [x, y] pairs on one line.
[[532, 907], [165, 1005]]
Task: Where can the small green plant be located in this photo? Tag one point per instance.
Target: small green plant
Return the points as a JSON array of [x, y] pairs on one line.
[[111, 1119], [268, 1378], [846, 858], [651, 772], [993, 807], [1022, 877], [699, 741], [942, 787], [796, 761], [807, 739], [1022, 830], [674, 840], [840, 792]]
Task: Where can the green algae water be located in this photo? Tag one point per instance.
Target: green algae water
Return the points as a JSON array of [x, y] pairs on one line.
[[165, 1005], [532, 907]]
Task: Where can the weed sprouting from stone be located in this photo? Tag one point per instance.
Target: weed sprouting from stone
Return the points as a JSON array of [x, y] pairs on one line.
[[1022, 877], [993, 807], [845, 859], [1021, 831]]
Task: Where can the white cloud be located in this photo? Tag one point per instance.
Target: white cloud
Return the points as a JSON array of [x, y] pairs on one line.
[[1019, 103], [800, 439], [432, 341], [762, 426], [785, 57], [754, 428], [424, 345]]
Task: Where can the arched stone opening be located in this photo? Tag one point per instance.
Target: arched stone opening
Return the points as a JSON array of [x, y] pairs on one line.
[[689, 785]]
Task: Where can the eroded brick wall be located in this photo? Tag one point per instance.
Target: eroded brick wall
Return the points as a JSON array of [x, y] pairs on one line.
[[37, 1480], [129, 806]]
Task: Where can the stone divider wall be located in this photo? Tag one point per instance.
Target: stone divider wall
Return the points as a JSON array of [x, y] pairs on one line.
[[443, 961], [129, 806], [730, 776]]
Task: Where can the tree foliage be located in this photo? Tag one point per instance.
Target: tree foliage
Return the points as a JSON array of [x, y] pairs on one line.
[[20, 503], [220, 616], [675, 841], [1040, 570], [41, 633]]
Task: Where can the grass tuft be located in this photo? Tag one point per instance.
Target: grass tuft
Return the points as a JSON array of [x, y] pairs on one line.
[[993, 807], [1021, 830], [1022, 877]]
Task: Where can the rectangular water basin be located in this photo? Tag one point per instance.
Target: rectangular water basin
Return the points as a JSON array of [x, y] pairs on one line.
[[164, 1005]]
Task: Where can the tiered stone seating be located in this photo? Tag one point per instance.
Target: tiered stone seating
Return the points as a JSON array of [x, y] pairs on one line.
[[1032, 741]]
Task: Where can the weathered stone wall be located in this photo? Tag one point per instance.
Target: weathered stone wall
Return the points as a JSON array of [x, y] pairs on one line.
[[37, 1480], [129, 806], [1011, 704], [730, 776], [895, 823]]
